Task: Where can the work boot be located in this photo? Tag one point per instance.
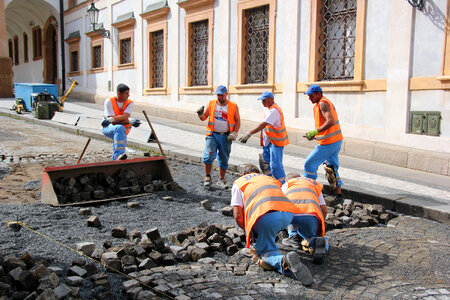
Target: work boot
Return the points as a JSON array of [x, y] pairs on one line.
[[222, 183], [330, 175], [122, 156], [208, 181], [320, 252], [299, 271], [294, 241]]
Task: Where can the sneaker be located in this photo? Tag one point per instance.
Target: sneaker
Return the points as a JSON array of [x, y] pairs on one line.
[[207, 182], [299, 271], [320, 252], [222, 183], [294, 241], [122, 156], [330, 175]]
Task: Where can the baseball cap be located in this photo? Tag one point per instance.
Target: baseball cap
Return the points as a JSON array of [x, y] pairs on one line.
[[314, 88], [265, 95], [221, 89]]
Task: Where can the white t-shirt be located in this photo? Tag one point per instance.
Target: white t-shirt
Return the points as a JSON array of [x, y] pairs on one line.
[[237, 196], [272, 117], [221, 118], [109, 111], [284, 188]]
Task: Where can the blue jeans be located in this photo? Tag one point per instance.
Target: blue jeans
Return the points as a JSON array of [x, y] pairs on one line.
[[307, 226], [265, 232], [217, 143], [118, 134], [274, 156], [323, 153]]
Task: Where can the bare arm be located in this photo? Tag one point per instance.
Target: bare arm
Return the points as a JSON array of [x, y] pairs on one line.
[[324, 210], [328, 116], [237, 120], [205, 114], [259, 127], [122, 119], [239, 216]]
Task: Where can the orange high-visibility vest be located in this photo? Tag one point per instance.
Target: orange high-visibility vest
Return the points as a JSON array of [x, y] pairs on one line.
[[332, 134], [119, 112], [304, 194], [261, 195], [231, 111], [277, 136]]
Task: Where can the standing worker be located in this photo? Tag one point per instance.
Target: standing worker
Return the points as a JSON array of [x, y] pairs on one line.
[[309, 219], [222, 129], [262, 210], [116, 123], [329, 136], [273, 137]]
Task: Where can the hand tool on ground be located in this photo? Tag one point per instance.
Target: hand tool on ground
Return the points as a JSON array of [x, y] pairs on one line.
[[157, 140], [84, 150]]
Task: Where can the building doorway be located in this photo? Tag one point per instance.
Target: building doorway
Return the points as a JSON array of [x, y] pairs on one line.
[[50, 51]]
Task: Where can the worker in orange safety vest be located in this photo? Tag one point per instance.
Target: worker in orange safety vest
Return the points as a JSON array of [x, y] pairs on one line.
[[262, 210]]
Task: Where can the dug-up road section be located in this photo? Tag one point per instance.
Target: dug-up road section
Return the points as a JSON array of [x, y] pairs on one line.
[[407, 259]]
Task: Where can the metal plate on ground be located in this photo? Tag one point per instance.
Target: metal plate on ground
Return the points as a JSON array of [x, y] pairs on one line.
[[87, 122], [66, 118]]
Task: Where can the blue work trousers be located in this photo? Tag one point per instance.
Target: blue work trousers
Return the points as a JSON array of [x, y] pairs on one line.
[[307, 226], [217, 144], [118, 134], [265, 232], [274, 156], [320, 154]]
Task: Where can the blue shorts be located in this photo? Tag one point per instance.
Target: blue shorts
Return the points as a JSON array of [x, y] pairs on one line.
[[217, 146]]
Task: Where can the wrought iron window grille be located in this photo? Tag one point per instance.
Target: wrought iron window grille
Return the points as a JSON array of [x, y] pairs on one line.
[[157, 59], [125, 51], [199, 53]]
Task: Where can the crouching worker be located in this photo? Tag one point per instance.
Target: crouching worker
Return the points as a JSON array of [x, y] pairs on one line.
[[116, 123], [308, 225], [262, 210]]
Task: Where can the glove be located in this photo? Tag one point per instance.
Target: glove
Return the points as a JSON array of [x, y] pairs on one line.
[[232, 136], [105, 123], [311, 134], [200, 111], [136, 123], [245, 138]]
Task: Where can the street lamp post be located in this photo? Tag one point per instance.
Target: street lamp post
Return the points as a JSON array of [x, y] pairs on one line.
[[93, 18]]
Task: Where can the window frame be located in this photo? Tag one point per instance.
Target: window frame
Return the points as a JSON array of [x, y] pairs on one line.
[[240, 87], [96, 40], [37, 43], [358, 82], [11, 50], [197, 10], [16, 50], [125, 30], [74, 46], [156, 21], [25, 47]]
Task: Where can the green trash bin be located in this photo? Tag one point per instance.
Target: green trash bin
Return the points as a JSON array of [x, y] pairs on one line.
[[42, 110]]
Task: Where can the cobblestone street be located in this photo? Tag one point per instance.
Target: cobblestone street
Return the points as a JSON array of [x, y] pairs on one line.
[[407, 259]]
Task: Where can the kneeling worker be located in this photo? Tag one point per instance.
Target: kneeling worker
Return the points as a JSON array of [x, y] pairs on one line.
[[309, 218], [116, 123], [262, 210]]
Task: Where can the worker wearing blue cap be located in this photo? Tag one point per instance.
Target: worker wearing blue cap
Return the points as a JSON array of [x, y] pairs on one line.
[[273, 138], [222, 129], [329, 136]]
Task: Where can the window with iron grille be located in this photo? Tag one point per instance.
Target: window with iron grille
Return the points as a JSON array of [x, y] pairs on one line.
[[125, 51], [16, 50], [199, 53], [25, 47], [37, 43], [337, 40], [256, 45], [97, 57], [73, 61], [157, 59]]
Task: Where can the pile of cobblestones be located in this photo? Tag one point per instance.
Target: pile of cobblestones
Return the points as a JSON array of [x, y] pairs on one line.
[[97, 186], [52, 159], [355, 214]]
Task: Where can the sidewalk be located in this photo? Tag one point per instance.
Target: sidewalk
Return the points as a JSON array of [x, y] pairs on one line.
[[404, 190]]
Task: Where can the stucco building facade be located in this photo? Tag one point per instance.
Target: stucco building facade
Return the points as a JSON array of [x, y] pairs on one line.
[[384, 64]]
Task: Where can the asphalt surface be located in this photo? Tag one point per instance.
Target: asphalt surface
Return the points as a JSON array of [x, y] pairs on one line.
[[406, 259]]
